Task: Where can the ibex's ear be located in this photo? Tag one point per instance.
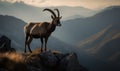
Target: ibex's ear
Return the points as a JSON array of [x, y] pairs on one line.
[[52, 17], [60, 17]]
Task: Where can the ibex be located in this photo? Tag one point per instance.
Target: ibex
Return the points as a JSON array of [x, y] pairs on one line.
[[41, 30]]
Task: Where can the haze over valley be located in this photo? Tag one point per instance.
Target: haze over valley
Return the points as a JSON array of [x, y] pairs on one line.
[[94, 34]]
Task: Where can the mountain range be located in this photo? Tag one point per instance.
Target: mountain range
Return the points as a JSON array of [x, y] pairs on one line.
[[31, 13], [76, 30]]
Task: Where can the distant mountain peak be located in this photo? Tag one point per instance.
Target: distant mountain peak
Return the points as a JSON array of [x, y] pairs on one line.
[[112, 8], [19, 2]]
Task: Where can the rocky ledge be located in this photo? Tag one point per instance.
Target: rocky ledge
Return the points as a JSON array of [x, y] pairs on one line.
[[40, 61]]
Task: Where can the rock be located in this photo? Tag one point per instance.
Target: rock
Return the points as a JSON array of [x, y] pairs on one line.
[[50, 61], [2, 69], [5, 44], [33, 62], [71, 63], [32, 68], [43, 61]]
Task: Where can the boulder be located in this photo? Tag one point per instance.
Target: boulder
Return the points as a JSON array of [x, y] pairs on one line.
[[70, 63], [5, 44], [50, 61]]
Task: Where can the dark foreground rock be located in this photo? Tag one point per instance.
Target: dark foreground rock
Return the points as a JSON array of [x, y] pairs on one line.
[[5, 44], [40, 61]]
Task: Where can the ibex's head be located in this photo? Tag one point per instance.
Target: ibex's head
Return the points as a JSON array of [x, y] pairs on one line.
[[56, 19]]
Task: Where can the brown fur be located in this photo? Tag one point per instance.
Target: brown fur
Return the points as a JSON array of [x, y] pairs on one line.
[[41, 30]]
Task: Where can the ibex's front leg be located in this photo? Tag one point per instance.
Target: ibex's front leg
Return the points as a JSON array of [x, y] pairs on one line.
[[46, 39], [41, 44]]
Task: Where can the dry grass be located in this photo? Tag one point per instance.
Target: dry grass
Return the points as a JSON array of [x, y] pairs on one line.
[[12, 61], [22, 61], [17, 57]]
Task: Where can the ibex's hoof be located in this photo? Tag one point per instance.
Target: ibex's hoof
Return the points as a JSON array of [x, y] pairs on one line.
[[30, 51], [24, 51]]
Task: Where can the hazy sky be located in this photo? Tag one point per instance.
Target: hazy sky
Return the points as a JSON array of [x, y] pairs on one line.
[[92, 4]]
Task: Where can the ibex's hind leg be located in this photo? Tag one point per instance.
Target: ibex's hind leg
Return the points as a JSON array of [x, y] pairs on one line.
[[41, 44], [46, 39], [26, 40], [29, 41]]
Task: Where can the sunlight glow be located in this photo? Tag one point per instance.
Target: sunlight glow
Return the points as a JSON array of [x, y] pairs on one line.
[[92, 4]]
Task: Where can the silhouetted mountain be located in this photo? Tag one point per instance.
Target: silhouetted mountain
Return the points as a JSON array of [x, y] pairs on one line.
[[106, 41], [79, 29], [105, 44], [31, 13]]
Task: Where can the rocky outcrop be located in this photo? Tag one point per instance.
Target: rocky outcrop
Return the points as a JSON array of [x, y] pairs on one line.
[[70, 63], [52, 61], [5, 44], [40, 61]]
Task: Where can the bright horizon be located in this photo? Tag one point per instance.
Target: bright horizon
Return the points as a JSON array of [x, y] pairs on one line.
[[91, 4]]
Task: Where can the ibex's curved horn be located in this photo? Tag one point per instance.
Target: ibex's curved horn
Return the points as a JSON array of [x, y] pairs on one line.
[[46, 9], [57, 12]]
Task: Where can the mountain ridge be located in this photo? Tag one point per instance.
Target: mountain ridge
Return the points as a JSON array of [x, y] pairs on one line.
[[81, 28], [24, 11]]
